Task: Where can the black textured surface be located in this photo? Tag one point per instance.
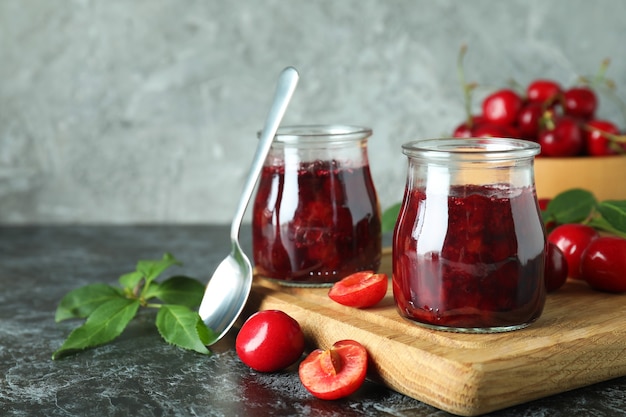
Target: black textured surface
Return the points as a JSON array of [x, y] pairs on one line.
[[139, 374]]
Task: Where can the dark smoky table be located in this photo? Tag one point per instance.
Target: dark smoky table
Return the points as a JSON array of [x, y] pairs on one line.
[[139, 374]]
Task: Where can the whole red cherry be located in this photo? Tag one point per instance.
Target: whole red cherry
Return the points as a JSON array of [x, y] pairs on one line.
[[580, 102], [543, 91], [269, 340], [603, 264], [492, 130], [596, 141], [543, 203], [528, 120], [501, 107], [543, 206], [555, 271], [565, 139], [465, 129], [573, 239]]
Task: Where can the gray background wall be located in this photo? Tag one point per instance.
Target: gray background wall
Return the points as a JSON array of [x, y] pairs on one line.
[[146, 111]]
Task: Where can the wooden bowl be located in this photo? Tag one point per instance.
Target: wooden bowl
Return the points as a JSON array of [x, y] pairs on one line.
[[604, 176]]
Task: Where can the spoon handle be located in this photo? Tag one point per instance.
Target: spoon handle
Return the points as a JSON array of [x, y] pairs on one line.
[[285, 88]]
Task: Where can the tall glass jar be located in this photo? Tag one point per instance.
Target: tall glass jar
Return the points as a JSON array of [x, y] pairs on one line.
[[316, 215], [469, 244]]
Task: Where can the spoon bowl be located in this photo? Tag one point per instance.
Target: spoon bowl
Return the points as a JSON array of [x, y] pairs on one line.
[[228, 289]]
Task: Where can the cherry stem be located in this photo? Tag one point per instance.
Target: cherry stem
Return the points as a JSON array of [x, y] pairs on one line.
[[467, 88], [599, 81], [610, 136], [517, 87], [547, 120], [600, 76]]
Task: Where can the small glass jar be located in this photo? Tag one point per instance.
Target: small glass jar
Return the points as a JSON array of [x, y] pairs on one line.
[[469, 243], [316, 215]]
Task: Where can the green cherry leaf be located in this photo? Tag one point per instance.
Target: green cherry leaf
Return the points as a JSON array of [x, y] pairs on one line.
[[81, 302], [104, 324], [150, 269], [180, 290], [130, 280], [178, 325], [151, 291], [206, 335], [389, 217], [600, 223], [614, 212], [571, 206]]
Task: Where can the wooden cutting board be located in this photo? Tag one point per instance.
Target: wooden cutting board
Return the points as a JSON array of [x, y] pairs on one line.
[[579, 340]]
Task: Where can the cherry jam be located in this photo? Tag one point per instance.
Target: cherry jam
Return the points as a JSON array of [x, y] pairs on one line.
[[469, 257], [315, 222]]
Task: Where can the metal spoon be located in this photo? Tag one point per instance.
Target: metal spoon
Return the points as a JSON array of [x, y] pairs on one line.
[[228, 289]]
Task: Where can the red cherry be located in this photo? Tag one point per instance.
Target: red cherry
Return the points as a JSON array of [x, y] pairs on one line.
[[492, 130], [580, 102], [555, 268], [502, 107], [269, 340], [528, 120], [603, 264], [596, 142], [573, 239], [542, 91], [543, 203], [565, 139], [464, 130], [543, 206]]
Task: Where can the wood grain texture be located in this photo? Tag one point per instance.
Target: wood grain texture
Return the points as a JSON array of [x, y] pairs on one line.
[[555, 175], [579, 340]]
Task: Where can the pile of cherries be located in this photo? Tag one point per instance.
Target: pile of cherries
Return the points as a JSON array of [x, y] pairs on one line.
[[579, 252], [562, 121]]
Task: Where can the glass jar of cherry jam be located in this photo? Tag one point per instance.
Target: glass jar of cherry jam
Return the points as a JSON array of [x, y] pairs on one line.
[[316, 215], [469, 243]]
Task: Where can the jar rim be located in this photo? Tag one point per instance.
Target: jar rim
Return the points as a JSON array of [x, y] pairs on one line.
[[471, 149], [321, 133]]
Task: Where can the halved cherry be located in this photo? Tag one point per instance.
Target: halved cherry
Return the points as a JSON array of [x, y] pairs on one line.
[[361, 289], [336, 372]]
